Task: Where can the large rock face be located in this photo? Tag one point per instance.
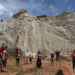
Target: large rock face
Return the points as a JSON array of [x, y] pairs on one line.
[[41, 32]]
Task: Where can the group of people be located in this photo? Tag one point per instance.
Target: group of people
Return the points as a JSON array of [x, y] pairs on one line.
[[29, 59], [3, 58], [58, 56], [53, 55], [19, 55], [40, 57]]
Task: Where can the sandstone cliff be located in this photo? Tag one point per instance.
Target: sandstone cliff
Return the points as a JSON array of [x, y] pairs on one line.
[[40, 33]]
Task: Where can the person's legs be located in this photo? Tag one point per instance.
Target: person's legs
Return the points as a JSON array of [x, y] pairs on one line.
[[52, 61], [1, 68], [30, 59], [1, 65], [56, 58], [5, 63], [39, 64], [24, 60], [73, 63], [17, 61]]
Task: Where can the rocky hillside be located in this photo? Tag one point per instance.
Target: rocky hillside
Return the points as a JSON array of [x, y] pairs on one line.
[[39, 33]]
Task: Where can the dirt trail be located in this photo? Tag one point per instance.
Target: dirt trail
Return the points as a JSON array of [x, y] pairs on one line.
[[30, 69]]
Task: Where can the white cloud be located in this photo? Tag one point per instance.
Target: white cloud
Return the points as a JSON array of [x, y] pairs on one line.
[[4, 12], [1, 7]]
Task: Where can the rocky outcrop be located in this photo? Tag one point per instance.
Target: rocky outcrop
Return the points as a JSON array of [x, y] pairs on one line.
[[41, 32]]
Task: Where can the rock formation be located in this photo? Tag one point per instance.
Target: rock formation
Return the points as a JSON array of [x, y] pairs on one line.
[[40, 32]]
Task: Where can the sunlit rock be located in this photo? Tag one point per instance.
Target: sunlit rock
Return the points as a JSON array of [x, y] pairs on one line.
[[40, 33]]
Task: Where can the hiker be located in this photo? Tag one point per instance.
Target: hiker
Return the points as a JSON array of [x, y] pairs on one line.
[[30, 59], [1, 57], [1, 64], [39, 60], [52, 58], [57, 55], [73, 59], [18, 53], [24, 56], [4, 58]]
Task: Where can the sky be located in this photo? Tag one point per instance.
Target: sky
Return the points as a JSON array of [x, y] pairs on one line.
[[36, 7]]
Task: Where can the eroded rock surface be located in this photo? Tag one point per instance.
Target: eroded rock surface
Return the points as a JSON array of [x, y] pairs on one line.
[[41, 32]]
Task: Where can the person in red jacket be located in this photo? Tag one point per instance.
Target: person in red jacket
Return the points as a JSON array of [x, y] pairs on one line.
[[1, 59], [73, 59], [1, 50]]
